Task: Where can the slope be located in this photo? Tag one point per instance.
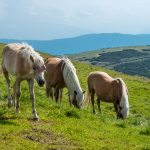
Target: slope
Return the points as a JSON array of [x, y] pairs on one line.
[[65, 127]]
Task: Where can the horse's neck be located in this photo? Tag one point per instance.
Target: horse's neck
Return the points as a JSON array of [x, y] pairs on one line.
[[70, 78]]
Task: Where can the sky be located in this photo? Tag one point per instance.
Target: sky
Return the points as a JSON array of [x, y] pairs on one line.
[[55, 19]]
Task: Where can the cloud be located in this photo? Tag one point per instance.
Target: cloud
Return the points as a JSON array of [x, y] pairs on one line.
[[2, 9], [91, 15], [45, 19]]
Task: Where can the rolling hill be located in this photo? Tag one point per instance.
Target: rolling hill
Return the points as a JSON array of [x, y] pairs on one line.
[[133, 60], [85, 42], [62, 127]]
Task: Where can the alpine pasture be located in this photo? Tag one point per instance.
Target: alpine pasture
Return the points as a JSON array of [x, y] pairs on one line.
[[63, 127]]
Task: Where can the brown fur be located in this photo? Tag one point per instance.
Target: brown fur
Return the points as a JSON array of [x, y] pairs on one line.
[[54, 78], [106, 89]]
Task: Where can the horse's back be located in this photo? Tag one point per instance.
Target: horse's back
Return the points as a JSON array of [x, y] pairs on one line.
[[11, 50], [14, 46], [101, 83], [9, 55], [99, 77], [53, 60], [51, 65], [53, 73]]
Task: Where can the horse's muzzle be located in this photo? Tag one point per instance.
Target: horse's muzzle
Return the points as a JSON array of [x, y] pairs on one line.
[[74, 102], [41, 82]]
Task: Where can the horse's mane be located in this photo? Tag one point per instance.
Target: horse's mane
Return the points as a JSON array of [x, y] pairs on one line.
[[27, 50], [69, 63], [69, 74], [124, 99]]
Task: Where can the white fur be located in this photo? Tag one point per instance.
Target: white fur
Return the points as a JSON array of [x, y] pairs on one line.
[[29, 51], [124, 100], [72, 81]]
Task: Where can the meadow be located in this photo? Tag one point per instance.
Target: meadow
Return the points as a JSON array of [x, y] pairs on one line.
[[63, 127]]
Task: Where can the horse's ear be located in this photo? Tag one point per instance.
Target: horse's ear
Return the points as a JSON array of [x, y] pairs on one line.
[[22, 48], [83, 92], [31, 58], [75, 92]]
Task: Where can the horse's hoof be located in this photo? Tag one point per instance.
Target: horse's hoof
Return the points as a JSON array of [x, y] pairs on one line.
[[9, 105], [17, 111], [94, 112], [36, 119]]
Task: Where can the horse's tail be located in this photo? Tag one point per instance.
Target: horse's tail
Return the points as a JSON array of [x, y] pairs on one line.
[[124, 104], [87, 97]]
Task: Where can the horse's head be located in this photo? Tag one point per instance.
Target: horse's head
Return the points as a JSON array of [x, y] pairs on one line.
[[123, 112], [38, 68], [76, 98]]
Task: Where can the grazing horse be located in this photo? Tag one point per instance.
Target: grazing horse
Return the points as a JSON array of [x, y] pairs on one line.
[[21, 61], [108, 89], [61, 73]]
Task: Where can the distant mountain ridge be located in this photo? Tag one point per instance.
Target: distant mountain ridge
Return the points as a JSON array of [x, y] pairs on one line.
[[85, 42]]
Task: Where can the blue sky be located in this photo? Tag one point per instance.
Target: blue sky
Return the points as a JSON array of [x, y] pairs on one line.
[[53, 19]]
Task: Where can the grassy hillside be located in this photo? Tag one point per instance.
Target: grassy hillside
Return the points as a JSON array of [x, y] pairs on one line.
[[65, 127], [133, 60]]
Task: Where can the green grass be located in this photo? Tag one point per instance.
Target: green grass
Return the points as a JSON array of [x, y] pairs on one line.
[[65, 127]]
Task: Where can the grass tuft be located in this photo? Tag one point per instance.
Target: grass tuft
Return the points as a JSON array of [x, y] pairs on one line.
[[72, 114], [122, 124]]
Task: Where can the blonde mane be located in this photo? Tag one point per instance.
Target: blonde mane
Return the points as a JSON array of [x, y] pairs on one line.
[[124, 103], [71, 79], [69, 63]]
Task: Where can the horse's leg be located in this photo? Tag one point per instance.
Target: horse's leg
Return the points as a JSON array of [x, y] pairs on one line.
[[98, 104], [47, 89], [14, 94], [69, 99], [56, 93], [116, 106], [60, 94], [6, 75], [32, 98], [92, 100], [17, 93], [51, 92]]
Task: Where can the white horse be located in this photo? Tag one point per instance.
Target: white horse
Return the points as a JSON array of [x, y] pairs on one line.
[[24, 63], [61, 73]]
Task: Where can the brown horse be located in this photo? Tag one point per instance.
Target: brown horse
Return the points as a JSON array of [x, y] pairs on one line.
[[61, 73], [24, 63], [108, 89]]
